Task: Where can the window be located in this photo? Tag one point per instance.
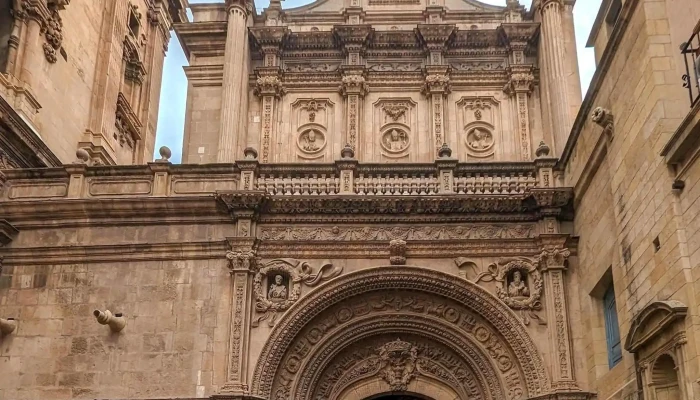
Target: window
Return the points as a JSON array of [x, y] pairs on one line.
[[612, 329], [134, 23]]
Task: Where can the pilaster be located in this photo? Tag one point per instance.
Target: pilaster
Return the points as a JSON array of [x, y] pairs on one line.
[[520, 84], [242, 262], [268, 86], [552, 262], [436, 88], [353, 88], [346, 170]]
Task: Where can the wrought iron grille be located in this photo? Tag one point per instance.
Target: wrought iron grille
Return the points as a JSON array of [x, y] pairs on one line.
[[691, 56]]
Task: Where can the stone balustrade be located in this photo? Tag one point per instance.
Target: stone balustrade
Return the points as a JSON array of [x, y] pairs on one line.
[[345, 177]]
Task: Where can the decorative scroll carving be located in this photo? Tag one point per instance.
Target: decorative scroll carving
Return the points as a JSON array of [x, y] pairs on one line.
[[440, 232], [489, 65], [395, 67], [311, 67], [520, 286], [288, 275], [396, 110]]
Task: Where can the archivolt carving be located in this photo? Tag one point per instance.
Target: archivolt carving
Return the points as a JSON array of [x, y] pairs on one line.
[[520, 286], [279, 296], [324, 320]]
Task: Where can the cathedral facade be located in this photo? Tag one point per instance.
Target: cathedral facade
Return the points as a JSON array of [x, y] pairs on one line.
[[378, 199]]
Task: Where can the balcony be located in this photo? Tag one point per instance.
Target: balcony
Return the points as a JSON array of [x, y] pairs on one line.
[[691, 56]]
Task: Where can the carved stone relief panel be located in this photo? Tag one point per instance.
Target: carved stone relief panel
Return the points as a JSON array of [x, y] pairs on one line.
[[311, 126], [479, 130], [394, 129]]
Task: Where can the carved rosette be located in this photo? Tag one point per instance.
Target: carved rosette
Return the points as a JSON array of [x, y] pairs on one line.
[[296, 272]]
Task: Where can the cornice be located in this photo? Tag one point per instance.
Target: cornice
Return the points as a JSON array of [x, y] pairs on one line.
[[202, 38], [114, 253]]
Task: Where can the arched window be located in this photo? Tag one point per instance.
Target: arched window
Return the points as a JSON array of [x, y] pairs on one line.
[[664, 378]]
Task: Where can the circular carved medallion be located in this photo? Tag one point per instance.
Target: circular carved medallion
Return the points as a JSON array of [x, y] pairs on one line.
[[479, 139], [311, 141], [395, 140]]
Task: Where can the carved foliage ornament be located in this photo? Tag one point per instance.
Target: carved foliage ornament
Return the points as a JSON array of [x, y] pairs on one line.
[[269, 86], [53, 32], [353, 84], [436, 83], [280, 295], [520, 286]]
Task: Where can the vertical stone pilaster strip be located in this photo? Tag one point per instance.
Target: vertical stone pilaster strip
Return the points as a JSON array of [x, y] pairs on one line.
[[268, 106], [552, 261], [353, 87], [438, 120], [235, 64], [524, 126], [436, 87], [353, 110]]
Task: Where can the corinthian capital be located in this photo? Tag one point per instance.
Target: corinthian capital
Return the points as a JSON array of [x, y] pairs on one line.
[[353, 84], [244, 260], [436, 83], [269, 86], [553, 258]]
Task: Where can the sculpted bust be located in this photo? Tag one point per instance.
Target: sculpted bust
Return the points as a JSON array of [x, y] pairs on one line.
[[517, 287], [278, 291]]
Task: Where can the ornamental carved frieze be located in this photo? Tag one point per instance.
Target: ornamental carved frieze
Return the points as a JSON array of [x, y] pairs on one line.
[[375, 233], [127, 124], [277, 285], [518, 284]]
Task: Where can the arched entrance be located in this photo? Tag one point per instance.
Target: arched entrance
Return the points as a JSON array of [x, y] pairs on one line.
[[398, 397], [399, 331]]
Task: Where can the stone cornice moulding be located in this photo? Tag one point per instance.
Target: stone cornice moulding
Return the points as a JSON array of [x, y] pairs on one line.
[[652, 321], [127, 252]]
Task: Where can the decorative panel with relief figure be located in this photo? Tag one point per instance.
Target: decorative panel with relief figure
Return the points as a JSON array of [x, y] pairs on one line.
[[479, 130], [312, 124], [394, 130]]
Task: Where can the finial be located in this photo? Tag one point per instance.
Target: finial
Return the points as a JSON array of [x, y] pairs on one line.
[[445, 151], [542, 150], [165, 154], [83, 156], [250, 153], [347, 152]]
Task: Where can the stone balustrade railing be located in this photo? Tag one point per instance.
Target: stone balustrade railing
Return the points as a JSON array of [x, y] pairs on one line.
[[344, 177]]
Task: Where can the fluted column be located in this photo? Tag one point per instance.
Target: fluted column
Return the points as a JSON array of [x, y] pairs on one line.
[[235, 82], [553, 58], [13, 49]]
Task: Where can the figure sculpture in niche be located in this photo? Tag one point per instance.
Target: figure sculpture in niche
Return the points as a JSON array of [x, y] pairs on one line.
[[517, 286], [480, 139], [278, 290], [311, 142], [396, 140]]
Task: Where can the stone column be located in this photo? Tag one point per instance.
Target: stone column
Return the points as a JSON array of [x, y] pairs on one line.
[[13, 52], [33, 54], [353, 88], [235, 80], [552, 48], [552, 261], [436, 88]]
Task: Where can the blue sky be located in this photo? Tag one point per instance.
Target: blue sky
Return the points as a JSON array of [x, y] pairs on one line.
[[171, 117]]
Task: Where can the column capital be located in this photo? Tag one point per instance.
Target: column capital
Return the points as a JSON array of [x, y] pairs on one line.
[[546, 5], [521, 79], [554, 251], [436, 83], [353, 83], [269, 85], [243, 5]]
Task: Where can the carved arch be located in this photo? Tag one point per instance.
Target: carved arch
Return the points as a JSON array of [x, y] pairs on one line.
[[651, 321], [471, 314]]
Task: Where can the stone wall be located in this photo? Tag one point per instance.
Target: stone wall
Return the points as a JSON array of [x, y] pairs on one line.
[[628, 218]]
